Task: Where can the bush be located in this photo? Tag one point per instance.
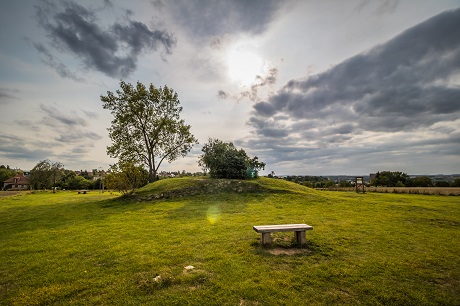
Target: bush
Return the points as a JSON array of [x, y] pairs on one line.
[[223, 160], [126, 177]]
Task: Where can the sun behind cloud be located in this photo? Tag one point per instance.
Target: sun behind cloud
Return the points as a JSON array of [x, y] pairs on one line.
[[244, 65]]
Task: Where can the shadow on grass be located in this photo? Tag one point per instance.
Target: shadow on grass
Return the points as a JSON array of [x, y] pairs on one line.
[[291, 248], [29, 216]]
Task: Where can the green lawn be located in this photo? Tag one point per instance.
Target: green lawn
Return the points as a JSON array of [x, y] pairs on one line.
[[97, 249]]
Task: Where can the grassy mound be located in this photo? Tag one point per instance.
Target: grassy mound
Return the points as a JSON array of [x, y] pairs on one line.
[[183, 187]]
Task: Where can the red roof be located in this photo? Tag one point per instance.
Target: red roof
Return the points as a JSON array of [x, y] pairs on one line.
[[18, 179]]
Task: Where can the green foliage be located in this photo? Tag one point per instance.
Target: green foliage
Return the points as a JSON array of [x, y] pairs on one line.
[[223, 160], [76, 182], [390, 179], [345, 184], [6, 173], [147, 128], [456, 183], [420, 181], [46, 174], [126, 177], [329, 184], [442, 184]]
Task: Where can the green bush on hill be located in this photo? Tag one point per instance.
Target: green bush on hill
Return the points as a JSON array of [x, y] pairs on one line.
[[223, 160]]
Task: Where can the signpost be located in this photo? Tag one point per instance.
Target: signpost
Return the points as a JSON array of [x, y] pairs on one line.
[[359, 183]]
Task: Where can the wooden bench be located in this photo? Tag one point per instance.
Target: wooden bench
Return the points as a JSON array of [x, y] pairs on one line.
[[82, 191], [298, 229]]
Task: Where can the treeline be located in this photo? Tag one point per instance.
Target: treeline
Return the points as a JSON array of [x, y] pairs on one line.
[[401, 179], [317, 181], [48, 175], [382, 179]]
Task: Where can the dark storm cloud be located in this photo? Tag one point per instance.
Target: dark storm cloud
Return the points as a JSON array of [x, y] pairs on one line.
[[407, 78], [113, 50], [208, 18], [409, 84]]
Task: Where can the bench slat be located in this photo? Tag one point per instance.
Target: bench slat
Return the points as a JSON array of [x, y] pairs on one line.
[[281, 228]]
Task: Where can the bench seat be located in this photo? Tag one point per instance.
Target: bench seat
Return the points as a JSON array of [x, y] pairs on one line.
[[298, 229]]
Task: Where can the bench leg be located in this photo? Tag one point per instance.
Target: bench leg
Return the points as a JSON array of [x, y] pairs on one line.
[[265, 238], [300, 237]]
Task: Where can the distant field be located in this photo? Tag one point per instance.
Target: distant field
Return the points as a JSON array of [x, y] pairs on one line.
[[409, 190], [191, 242]]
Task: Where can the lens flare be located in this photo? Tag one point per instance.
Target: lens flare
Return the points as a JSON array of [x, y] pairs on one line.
[[213, 214]]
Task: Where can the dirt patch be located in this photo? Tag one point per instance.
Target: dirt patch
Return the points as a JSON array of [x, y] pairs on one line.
[[10, 193], [281, 251]]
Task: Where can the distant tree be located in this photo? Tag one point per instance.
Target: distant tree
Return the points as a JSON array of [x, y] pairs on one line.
[[345, 184], [390, 179], [126, 177], [6, 173], [96, 184], [78, 182], [442, 184], [85, 174], [223, 160], [456, 183], [329, 184], [147, 128], [46, 174], [56, 173], [420, 181]]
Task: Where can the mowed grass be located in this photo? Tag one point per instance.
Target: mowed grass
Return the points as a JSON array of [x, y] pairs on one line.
[[99, 249]]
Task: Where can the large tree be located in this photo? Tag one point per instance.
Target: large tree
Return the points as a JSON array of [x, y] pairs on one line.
[[147, 128]]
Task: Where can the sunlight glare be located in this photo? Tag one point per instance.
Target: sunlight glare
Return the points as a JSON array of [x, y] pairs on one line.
[[244, 66], [213, 214]]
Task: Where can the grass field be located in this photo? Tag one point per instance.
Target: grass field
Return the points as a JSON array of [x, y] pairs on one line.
[[98, 249]]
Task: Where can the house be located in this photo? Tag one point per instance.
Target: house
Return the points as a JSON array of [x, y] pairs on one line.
[[18, 182]]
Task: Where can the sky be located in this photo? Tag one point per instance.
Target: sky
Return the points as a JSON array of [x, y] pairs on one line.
[[310, 87]]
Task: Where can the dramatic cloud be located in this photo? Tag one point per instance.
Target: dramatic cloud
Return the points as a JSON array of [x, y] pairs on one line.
[[261, 81], [17, 148], [252, 93], [54, 118], [410, 84], [384, 7], [51, 61], [207, 18], [70, 128], [113, 50]]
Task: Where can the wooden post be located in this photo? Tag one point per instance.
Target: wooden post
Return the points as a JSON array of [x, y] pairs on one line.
[[266, 238], [300, 237]]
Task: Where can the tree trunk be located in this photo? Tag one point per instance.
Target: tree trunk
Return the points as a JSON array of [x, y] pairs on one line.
[[152, 175]]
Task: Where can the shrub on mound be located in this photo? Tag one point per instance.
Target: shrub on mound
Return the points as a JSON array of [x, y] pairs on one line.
[[224, 160]]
